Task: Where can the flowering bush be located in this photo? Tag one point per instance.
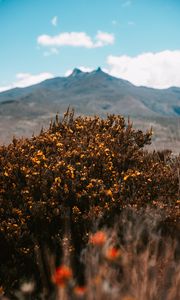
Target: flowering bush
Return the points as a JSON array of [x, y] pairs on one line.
[[79, 170]]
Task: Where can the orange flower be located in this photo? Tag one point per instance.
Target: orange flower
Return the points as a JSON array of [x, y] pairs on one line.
[[79, 291], [112, 253], [62, 275], [98, 239]]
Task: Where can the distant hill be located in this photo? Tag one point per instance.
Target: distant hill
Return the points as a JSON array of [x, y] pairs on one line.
[[24, 110]]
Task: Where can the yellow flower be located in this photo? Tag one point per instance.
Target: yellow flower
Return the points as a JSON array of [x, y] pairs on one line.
[[39, 153], [131, 173], [108, 193], [35, 160], [89, 186], [59, 144], [76, 210], [57, 180], [126, 177]]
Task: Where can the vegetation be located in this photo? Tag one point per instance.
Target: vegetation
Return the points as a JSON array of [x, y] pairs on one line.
[[58, 184]]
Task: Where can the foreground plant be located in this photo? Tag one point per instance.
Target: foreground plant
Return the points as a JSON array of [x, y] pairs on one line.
[[135, 261]]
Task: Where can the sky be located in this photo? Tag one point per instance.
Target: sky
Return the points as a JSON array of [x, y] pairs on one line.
[[136, 40]]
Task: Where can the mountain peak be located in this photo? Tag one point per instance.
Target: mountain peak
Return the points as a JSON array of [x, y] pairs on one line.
[[99, 70], [76, 72]]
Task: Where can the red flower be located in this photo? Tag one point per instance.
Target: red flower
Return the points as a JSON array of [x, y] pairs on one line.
[[79, 291], [112, 253], [98, 239], [62, 275]]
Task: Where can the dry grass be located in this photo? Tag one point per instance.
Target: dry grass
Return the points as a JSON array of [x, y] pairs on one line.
[[133, 260]]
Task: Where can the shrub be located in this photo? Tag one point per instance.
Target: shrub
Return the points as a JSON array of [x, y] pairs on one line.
[[80, 169]]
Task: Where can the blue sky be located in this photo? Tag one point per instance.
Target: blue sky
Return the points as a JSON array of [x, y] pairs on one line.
[[137, 40]]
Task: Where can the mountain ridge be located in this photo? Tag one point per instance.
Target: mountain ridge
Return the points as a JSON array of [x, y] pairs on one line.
[[97, 90], [76, 72], [23, 110]]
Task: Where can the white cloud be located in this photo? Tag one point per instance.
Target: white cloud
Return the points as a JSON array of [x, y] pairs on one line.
[[5, 88], [54, 21], [68, 72], [82, 68], [26, 79], [104, 38], [158, 70], [76, 39]]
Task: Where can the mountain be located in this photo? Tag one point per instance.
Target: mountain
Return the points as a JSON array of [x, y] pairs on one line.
[[94, 92], [23, 110]]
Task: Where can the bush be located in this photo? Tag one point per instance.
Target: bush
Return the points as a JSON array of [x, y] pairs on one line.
[[61, 181]]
